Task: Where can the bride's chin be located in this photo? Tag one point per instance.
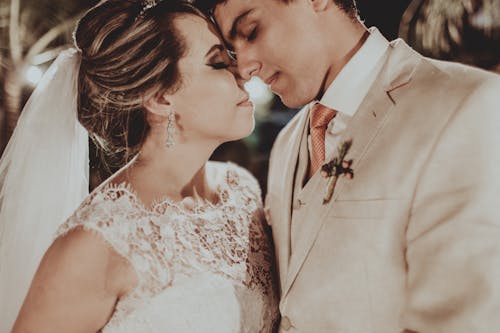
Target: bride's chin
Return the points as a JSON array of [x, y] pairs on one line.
[[242, 135], [249, 129]]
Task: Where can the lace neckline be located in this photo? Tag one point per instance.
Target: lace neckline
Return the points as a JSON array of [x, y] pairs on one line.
[[115, 191]]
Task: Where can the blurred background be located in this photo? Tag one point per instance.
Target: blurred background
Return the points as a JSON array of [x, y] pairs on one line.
[[33, 32]]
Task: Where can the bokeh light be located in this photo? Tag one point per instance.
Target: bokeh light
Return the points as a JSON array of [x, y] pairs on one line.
[[33, 75]]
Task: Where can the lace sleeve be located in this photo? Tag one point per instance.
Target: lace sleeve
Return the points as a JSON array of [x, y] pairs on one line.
[[99, 219], [116, 215]]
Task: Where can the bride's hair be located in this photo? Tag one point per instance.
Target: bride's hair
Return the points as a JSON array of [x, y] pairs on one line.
[[129, 53]]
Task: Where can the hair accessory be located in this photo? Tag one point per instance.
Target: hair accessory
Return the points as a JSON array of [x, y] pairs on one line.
[[147, 5]]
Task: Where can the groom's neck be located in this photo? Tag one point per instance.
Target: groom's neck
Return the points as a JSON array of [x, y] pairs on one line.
[[352, 37]]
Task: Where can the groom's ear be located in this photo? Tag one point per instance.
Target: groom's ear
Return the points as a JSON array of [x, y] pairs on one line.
[[158, 104], [320, 5]]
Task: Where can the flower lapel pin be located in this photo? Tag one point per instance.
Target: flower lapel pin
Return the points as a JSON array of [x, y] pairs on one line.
[[335, 168]]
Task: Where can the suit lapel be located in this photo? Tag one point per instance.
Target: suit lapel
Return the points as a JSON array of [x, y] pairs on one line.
[[289, 163], [378, 104], [362, 130]]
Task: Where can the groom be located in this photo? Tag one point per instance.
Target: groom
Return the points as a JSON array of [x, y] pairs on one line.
[[403, 232]]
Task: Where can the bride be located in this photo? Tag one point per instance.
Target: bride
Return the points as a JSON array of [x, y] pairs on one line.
[[171, 242]]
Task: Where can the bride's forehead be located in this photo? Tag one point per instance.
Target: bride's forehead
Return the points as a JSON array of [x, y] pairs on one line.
[[198, 33]]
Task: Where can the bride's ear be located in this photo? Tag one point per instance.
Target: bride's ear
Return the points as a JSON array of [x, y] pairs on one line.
[[159, 104]]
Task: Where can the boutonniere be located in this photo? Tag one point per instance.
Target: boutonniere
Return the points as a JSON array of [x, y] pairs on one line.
[[335, 168]]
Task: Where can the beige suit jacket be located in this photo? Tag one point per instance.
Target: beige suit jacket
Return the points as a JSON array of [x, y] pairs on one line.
[[412, 242]]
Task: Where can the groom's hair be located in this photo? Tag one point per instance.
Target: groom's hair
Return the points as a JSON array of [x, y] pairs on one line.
[[349, 6]]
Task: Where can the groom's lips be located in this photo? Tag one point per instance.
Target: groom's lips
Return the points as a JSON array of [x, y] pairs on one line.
[[270, 80]]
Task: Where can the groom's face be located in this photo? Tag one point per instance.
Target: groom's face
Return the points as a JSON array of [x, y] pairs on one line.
[[278, 42]]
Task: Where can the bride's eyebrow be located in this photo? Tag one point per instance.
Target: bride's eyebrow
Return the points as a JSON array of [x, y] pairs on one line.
[[216, 47]]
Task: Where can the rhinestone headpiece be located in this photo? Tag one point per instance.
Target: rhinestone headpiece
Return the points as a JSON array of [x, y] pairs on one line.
[[147, 5]]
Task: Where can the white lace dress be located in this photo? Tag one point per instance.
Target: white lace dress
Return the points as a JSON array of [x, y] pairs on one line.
[[205, 269]]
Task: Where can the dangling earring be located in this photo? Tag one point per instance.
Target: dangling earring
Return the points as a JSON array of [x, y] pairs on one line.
[[171, 130]]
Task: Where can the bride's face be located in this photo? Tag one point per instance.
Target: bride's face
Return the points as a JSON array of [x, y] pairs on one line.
[[209, 104]]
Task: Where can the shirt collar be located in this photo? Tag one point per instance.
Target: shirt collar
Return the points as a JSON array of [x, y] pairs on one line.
[[351, 85]]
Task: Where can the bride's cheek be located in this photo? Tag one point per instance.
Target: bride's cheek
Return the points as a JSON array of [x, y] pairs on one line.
[[224, 88]]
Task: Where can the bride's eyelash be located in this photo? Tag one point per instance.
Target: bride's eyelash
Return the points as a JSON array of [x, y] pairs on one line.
[[219, 65]]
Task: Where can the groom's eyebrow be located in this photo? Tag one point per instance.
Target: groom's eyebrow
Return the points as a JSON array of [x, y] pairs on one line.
[[236, 22]]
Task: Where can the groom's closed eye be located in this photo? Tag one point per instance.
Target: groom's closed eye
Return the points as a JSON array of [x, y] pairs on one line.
[[249, 33], [244, 28]]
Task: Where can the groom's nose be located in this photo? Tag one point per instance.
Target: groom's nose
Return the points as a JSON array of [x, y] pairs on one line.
[[248, 66]]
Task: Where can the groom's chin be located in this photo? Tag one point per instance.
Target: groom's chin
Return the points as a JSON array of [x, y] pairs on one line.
[[292, 101]]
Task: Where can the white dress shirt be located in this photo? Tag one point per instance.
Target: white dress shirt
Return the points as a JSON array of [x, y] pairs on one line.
[[350, 87]]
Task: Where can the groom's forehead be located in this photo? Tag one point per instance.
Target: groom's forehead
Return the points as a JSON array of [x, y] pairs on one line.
[[207, 6], [227, 14]]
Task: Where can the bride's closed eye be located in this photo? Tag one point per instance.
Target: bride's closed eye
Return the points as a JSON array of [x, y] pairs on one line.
[[219, 65], [219, 60]]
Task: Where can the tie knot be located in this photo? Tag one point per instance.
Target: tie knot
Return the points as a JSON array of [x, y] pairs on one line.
[[321, 115]]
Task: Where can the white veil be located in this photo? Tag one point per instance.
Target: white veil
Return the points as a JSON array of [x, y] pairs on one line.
[[43, 178]]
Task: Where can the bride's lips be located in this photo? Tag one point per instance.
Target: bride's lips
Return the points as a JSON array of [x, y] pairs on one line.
[[245, 102]]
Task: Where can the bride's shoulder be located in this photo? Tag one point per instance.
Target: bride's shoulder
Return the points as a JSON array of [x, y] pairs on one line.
[[109, 210], [110, 198], [101, 222]]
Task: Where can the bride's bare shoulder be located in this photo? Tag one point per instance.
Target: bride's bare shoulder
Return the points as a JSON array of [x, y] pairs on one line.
[[91, 238], [81, 247], [80, 259], [78, 272]]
